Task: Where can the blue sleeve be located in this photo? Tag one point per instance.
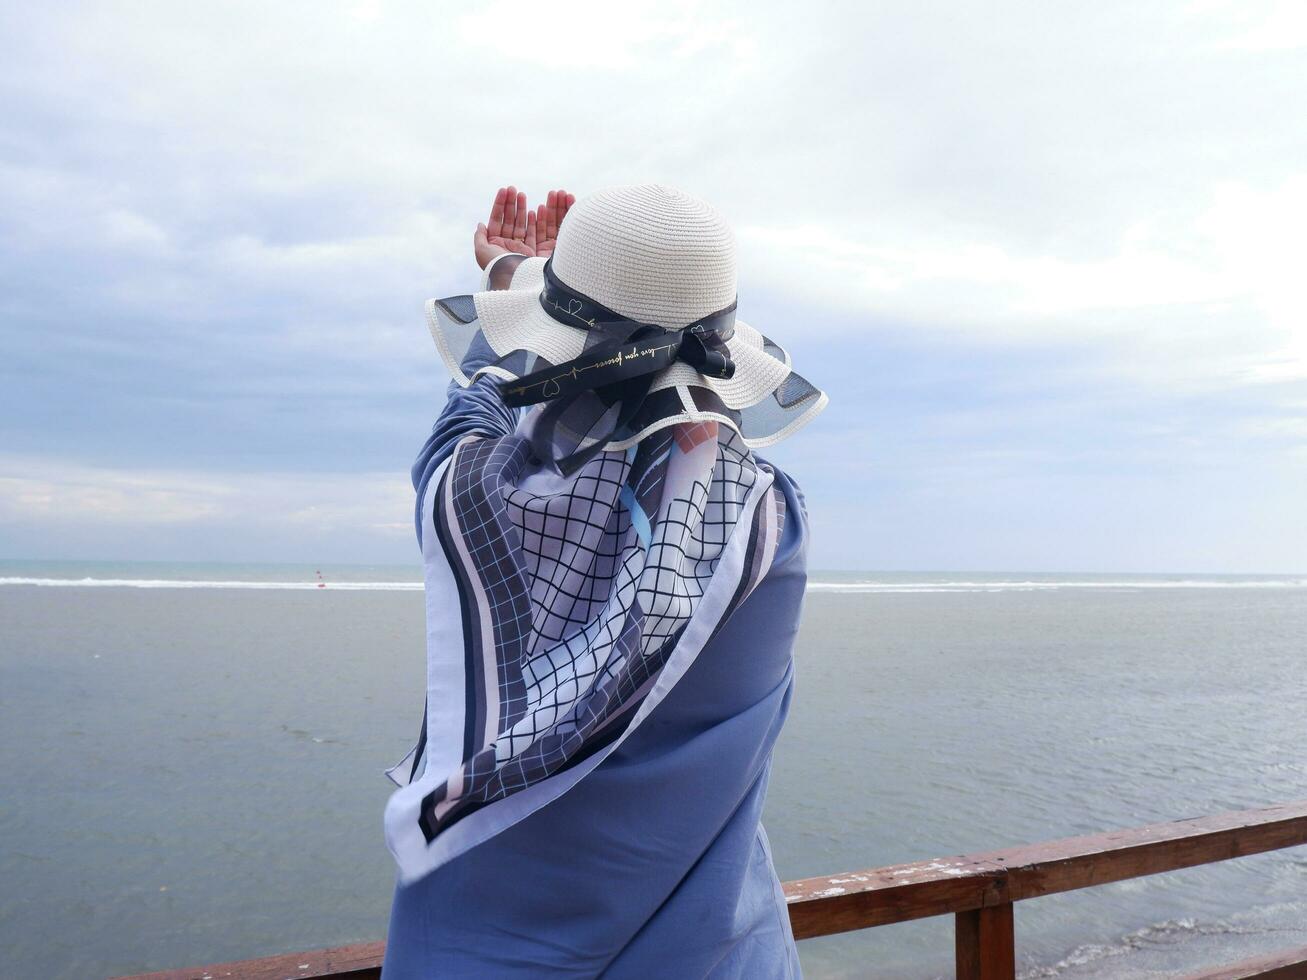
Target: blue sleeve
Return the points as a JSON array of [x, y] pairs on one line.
[[474, 410]]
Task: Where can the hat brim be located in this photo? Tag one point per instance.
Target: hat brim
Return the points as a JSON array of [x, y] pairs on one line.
[[764, 400]]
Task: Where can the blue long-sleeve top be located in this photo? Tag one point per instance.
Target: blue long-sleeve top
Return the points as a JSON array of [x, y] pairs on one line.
[[655, 864]]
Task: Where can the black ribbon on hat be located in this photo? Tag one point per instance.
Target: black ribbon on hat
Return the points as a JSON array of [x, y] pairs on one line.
[[615, 371]]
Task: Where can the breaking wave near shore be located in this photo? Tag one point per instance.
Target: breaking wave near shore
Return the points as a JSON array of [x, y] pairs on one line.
[[816, 585]]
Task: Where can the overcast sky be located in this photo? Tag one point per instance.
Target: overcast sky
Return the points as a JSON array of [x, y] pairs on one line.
[[1046, 258]]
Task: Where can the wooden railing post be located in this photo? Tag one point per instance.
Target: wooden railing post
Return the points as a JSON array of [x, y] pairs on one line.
[[986, 945]]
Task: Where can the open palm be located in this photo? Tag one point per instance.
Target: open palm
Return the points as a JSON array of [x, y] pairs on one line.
[[548, 217], [513, 227]]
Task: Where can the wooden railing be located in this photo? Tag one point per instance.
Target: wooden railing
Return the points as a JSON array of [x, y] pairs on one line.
[[978, 889]]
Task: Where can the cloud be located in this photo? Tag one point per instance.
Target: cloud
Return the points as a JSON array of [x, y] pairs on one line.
[[74, 510], [218, 224], [601, 37], [36, 489], [1279, 26], [1241, 252]]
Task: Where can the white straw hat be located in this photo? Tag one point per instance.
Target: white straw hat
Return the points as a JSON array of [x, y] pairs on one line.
[[650, 255]]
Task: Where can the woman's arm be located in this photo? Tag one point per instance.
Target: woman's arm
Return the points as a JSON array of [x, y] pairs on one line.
[[478, 409]]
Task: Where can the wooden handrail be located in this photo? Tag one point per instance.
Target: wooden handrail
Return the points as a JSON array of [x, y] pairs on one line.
[[361, 961], [900, 892], [979, 889]]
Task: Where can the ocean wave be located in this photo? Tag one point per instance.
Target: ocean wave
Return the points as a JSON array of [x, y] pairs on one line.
[[165, 583], [1087, 958], [817, 586], [1049, 586]]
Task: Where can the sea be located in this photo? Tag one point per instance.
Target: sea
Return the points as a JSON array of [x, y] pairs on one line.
[[192, 756]]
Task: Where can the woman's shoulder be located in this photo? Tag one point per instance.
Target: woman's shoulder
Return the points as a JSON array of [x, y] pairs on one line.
[[792, 546], [785, 483]]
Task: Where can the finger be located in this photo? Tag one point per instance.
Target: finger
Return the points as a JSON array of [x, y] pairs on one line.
[[496, 223], [481, 236], [519, 229], [512, 200], [510, 212], [551, 216], [529, 237], [567, 206]]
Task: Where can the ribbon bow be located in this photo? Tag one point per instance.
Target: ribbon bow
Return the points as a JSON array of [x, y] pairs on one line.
[[617, 371]]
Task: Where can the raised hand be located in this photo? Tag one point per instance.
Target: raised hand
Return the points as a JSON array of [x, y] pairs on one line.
[[505, 231], [513, 227], [548, 217]]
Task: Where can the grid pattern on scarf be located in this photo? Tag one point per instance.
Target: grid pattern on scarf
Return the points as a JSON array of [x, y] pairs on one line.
[[583, 607]]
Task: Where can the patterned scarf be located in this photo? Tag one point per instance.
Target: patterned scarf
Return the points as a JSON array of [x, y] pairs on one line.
[[560, 612]]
